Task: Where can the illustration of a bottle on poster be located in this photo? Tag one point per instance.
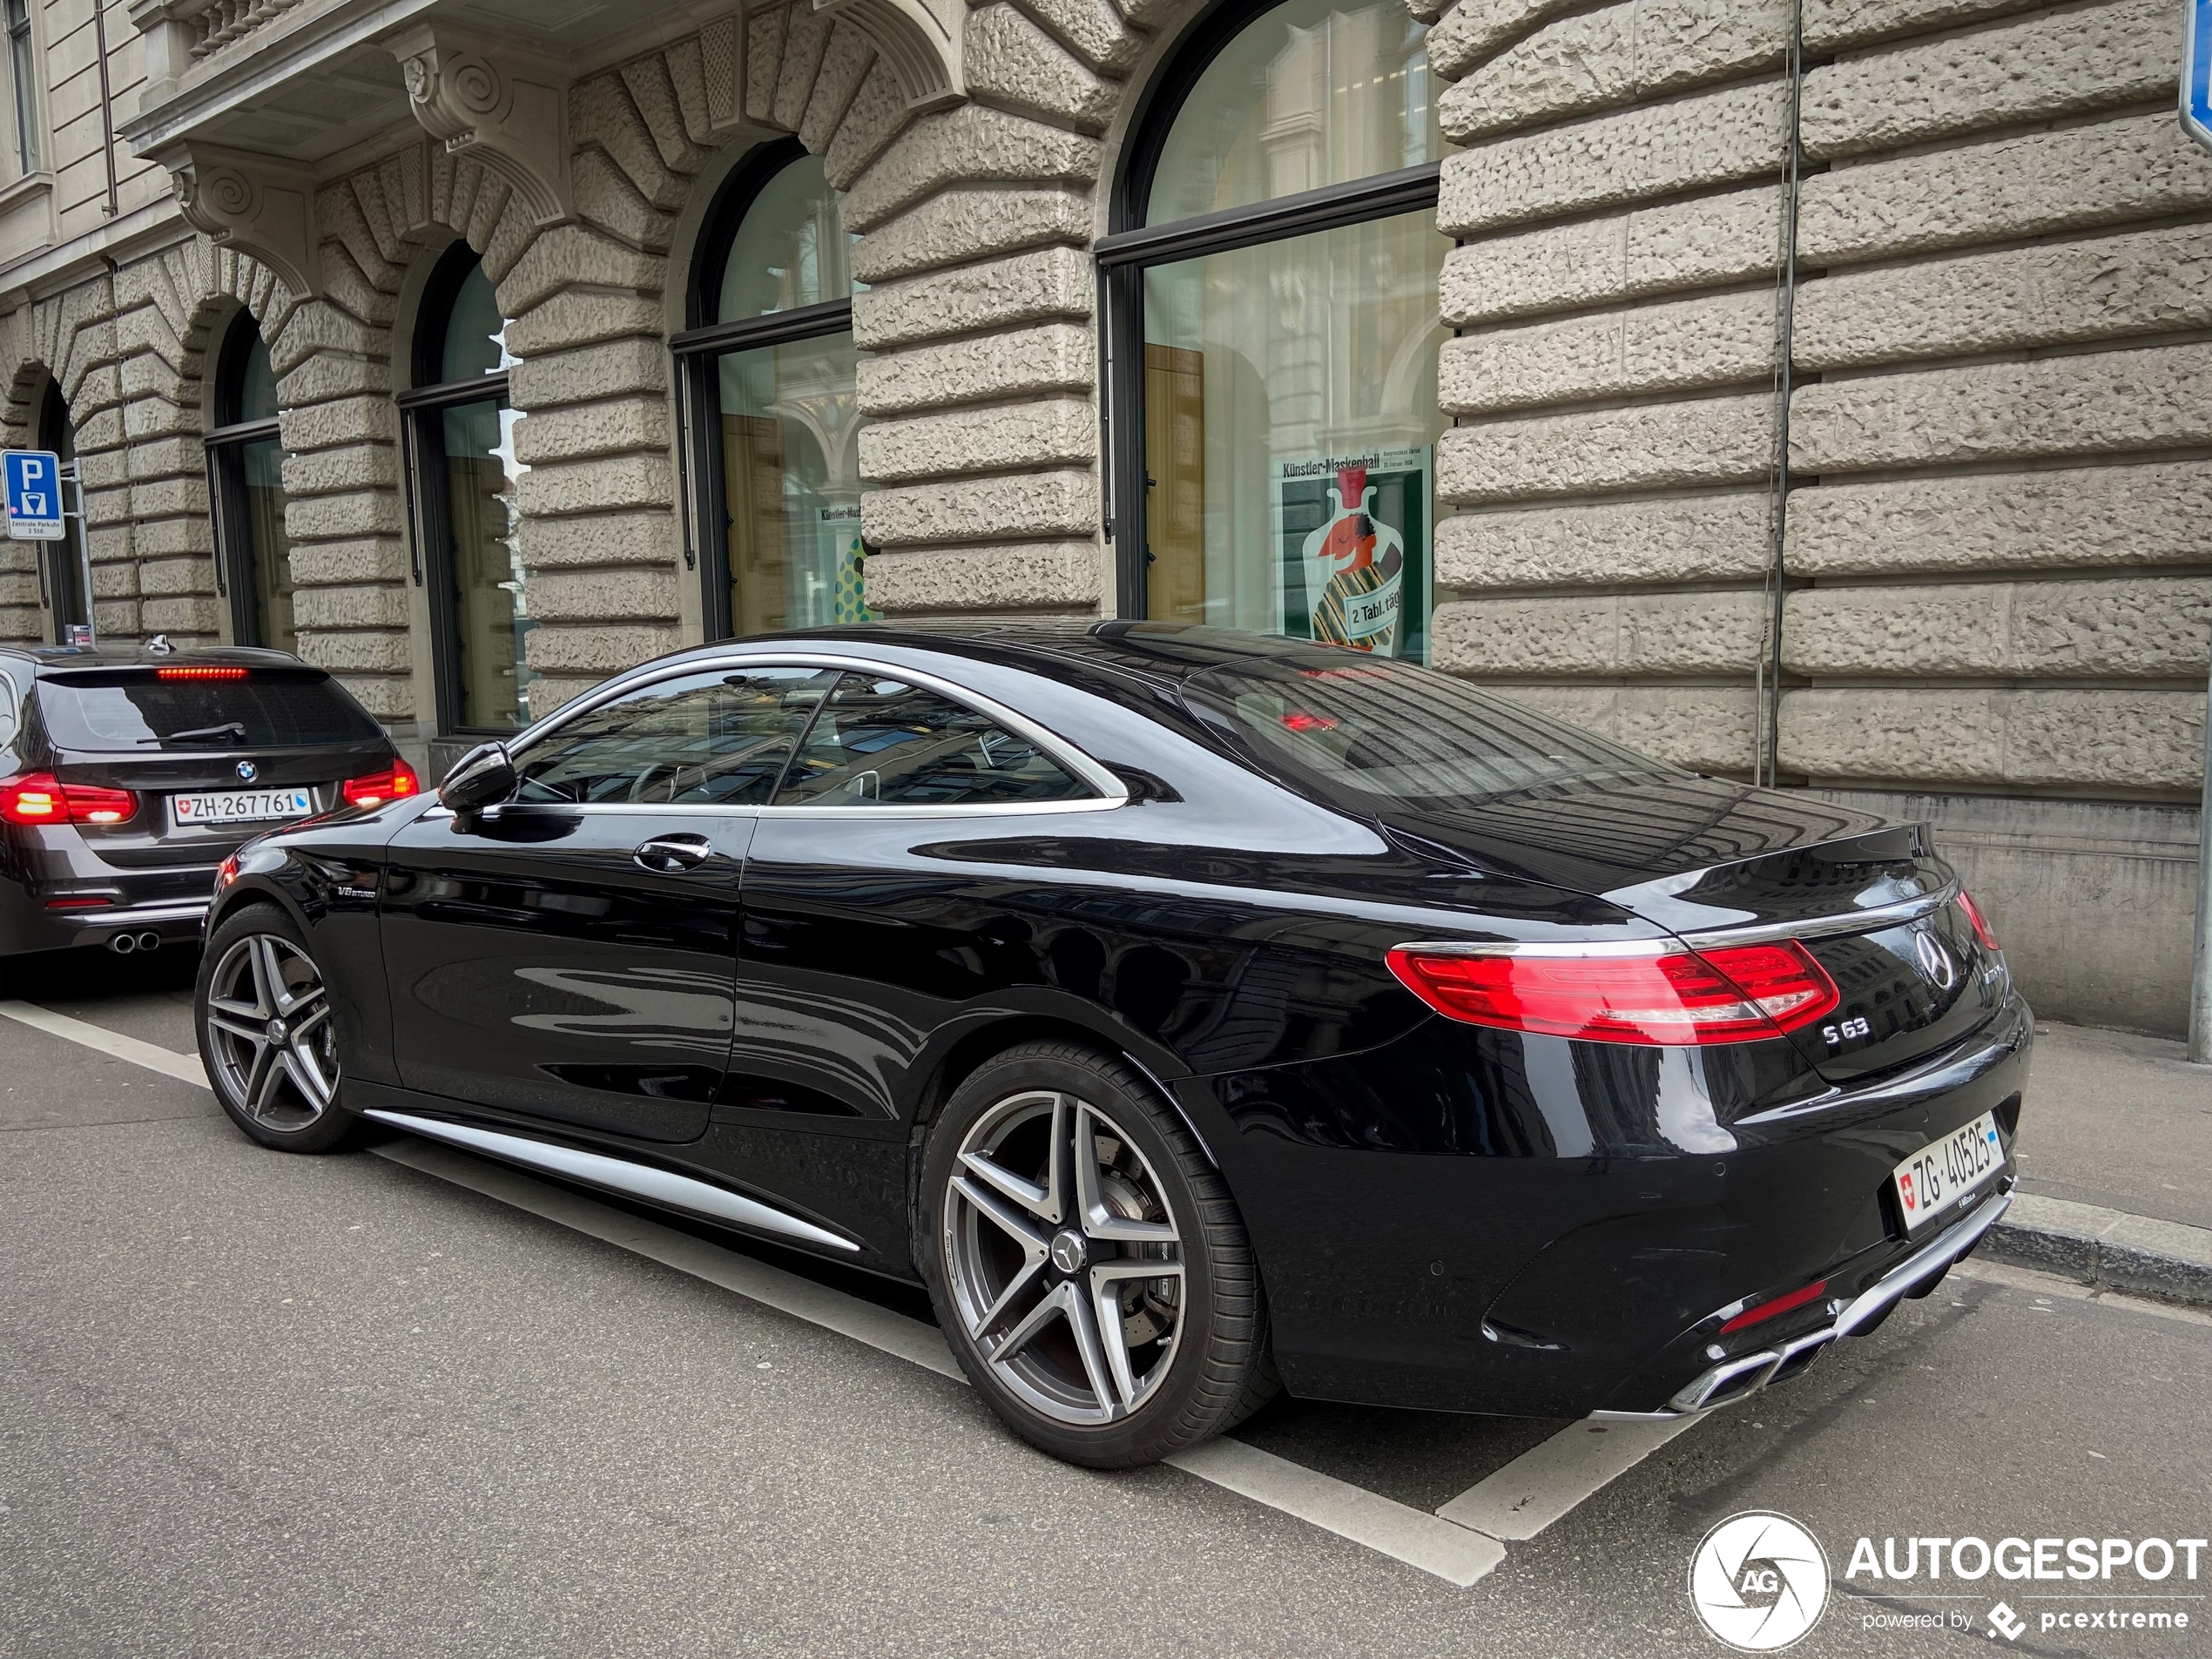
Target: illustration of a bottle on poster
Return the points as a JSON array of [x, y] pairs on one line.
[[1355, 568]]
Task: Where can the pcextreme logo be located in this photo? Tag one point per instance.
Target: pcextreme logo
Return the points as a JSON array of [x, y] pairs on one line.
[[1759, 1581]]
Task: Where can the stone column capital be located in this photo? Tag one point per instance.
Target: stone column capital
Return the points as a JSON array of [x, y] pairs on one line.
[[504, 109], [258, 205]]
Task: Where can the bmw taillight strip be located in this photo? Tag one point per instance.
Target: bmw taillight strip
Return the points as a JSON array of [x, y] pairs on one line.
[[393, 782], [40, 798], [1654, 993]]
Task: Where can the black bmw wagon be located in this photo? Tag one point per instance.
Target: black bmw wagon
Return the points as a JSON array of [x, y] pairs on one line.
[[128, 774], [1195, 1015]]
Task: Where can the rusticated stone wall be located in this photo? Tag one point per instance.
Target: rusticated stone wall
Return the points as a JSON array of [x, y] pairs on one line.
[[1997, 579]]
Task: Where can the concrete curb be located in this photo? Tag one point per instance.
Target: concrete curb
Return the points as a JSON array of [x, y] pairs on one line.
[[2106, 1247]]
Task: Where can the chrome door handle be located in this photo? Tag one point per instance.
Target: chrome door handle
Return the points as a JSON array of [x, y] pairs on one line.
[[673, 854]]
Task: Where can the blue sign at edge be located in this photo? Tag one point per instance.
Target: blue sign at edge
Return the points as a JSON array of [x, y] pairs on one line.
[[2197, 71], [35, 474]]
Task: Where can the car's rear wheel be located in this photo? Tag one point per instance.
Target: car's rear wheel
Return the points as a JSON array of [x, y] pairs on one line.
[[266, 1033], [1087, 1262]]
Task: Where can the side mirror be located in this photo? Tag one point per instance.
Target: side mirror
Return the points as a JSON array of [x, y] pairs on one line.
[[484, 777]]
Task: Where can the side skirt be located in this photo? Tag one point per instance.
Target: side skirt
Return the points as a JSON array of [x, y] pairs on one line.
[[619, 1175]]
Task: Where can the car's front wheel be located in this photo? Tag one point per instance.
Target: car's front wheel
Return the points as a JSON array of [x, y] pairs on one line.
[[1087, 1262], [266, 1033]]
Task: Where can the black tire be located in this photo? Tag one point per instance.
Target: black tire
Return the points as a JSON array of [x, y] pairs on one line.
[[289, 1116], [1211, 1373]]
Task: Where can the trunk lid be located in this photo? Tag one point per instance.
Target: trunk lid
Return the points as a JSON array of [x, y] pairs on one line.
[[1719, 863], [1879, 912]]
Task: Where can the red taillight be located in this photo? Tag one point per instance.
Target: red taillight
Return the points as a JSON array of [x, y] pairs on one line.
[[40, 798], [395, 780], [1780, 1305], [1301, 720], [77, 903], [1980, 922], [1645, 994], [201, 671]]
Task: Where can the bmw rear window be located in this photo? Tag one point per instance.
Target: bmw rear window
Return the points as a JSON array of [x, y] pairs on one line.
[[1392, 731], [274, 708]]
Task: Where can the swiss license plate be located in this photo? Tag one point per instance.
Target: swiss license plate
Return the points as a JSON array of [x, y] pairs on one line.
[[241, 806], [1934, 1178]]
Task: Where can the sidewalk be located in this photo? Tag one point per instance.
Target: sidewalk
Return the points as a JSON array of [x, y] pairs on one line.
[[2115, 1152]]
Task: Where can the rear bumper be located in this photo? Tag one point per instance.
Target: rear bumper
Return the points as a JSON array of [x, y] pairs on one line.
[[1588, 1217], [33, 929], [1739, 1378]]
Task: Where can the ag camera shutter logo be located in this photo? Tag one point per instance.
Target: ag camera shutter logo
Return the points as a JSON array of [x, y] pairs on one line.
[[1759, 1581]]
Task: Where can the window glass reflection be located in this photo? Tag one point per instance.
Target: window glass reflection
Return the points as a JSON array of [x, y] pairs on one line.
[[884, 743], [475, 336], [491, 619], [792, 485], [716, 738], [1313, 93], [268, 549], [1290, 419], [791, 249]]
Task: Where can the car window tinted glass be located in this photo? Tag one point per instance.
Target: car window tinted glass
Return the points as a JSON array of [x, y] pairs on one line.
[[1399, 732], [717, 738], [884, 743], [270, 708]]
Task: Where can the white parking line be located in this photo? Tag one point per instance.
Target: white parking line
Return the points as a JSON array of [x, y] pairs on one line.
[[1460, 1543], [185, 1068], [1450, 1551], [1547, 1481]]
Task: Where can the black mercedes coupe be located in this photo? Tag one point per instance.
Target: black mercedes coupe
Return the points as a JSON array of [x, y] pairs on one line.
[[1193, 1014]]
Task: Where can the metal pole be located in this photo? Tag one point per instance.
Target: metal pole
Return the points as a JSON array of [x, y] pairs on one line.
[[2201, 973], [70, 472]]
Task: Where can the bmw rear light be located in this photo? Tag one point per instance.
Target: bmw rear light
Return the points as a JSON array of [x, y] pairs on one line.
[[40, 798], [1980, 922], [1650, 994], [199, 671], [394, 782]]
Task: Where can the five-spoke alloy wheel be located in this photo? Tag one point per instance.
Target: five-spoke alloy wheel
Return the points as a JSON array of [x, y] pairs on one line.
[[1087, 1260], [266, 1033]]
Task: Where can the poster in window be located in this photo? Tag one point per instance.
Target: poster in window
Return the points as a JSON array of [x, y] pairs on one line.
[[1354, 563], [841, 553]]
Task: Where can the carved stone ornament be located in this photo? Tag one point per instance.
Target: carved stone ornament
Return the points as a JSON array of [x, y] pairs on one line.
[[258, 206], [504, 110], [920, 39]]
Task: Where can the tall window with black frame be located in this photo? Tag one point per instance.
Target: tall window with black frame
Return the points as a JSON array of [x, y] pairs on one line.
[[772, 419], [246, 482], [1273, 328], [22, 84], [461, 477]]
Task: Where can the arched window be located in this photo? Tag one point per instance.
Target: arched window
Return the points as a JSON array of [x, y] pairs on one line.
[[1273, 271], [771, 419], [64, 572], [461, 472], [246, 478]]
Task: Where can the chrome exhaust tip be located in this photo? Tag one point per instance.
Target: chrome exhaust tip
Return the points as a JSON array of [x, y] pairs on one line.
[[149, 940], [123, 944]]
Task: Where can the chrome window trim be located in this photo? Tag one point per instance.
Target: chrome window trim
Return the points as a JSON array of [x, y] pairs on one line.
[[1112, 792]]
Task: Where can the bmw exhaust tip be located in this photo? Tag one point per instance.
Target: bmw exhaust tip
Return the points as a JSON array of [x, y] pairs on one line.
[[123, 944], [149, 940]]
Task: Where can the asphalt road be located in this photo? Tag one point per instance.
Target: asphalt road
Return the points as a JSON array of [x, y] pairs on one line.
[[252, 1404]]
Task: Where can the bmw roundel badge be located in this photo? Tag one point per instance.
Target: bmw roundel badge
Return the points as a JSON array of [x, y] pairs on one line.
[[247, 772]]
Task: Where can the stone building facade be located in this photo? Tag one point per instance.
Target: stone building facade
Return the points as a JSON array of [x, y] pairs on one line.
[[1818, 392]]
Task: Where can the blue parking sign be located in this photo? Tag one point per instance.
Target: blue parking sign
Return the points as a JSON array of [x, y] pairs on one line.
[[34, 479], [2197, 71]]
